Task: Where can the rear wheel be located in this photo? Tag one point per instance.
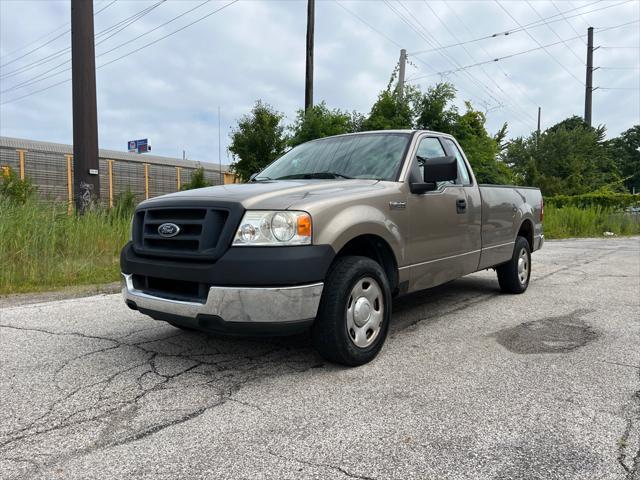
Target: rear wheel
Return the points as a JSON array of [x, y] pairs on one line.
[[514, 275], [353, 318]]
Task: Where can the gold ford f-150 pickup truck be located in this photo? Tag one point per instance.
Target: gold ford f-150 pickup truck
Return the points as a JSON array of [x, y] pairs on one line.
[[325, 237]]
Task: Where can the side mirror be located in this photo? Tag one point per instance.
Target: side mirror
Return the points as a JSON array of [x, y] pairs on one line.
[[436, 169], [253, 175], [440, 169]]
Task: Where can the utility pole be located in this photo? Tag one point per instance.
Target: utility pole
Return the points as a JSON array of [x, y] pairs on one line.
[[85, 118], [538, 129], [308, 87], [401, 70], [589, 83], [220, 176]]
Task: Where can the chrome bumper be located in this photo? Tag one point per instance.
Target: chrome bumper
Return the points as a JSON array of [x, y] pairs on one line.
[[255, 305]]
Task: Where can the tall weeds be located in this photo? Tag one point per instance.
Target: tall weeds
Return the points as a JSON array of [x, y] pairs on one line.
[[42, 247]]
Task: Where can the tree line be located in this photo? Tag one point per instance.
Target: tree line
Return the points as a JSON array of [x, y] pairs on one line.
[[569, 158]]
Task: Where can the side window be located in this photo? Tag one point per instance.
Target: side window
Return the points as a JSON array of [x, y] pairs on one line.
[[463, 173], [429, 147]]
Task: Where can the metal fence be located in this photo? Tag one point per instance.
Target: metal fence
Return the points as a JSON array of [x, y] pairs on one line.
[[49, 167]]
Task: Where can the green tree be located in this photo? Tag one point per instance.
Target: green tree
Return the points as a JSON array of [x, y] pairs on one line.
[[625, 152], [257, 140], [390, 111], [435, 111], [569, 158], [197, 180], [480, 148], [319, 121]]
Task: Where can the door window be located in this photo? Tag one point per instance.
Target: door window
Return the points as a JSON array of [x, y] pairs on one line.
[[430, 147], [463, 172]]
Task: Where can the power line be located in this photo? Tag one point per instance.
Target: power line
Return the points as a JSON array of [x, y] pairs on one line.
[[586, 24], [535, 24], [368, 24], [619, 68], [604, 29], [554, 32], [539, 44], [424, 35], [617, 88], [49, 41], [43, 75], [491, 79], [131, 52], [567, 20], [466, 27], [61, 52], [497, 59]]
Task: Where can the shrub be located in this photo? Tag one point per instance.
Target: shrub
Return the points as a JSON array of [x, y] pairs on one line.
[[13, 188], [605, 200], [197, 180]]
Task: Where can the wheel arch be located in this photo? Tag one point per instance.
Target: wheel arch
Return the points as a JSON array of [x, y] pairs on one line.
[[526, 230], [376, 248]]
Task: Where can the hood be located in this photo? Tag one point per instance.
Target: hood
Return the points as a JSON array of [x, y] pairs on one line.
[[275, 194]]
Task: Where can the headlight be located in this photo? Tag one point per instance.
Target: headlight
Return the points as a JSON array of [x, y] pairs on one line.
[[273, 228]]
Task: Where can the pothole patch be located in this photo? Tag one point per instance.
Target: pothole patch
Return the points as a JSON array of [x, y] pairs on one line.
[[548, 335]]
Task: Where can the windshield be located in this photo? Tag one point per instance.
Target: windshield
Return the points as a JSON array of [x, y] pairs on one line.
[[372, 156]]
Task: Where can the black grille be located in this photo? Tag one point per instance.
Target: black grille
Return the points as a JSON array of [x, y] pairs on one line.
[[199, 235], [171, 289]]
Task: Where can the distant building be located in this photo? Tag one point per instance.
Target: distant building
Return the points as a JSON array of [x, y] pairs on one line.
[[49, 166]]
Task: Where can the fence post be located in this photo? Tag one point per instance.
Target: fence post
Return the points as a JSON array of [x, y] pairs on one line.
[[178, 178], [69, 184], [21, 158], [146, 181], [110, 183]]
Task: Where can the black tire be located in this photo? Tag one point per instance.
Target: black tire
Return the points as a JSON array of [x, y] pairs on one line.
[[329, 332], [510, 277]]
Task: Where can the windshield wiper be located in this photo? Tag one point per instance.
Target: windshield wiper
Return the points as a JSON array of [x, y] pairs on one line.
[[315, 175], [259, 179]]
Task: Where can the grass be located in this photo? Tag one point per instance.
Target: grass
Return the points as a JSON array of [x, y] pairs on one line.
[[572, 222], [42, 248]]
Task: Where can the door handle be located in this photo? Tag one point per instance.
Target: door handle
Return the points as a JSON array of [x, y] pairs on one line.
[[461, 205]]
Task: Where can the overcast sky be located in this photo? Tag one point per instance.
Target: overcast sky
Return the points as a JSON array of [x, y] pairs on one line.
[[170, 91]]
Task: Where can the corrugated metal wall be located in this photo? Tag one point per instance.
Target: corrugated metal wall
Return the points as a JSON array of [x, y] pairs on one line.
[[47, 170]]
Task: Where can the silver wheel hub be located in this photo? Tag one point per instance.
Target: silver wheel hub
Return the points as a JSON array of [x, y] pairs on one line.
[[362, 312], [523, 266], [365, 311]]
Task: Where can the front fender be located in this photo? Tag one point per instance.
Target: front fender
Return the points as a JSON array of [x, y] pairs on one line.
[[357, 220]]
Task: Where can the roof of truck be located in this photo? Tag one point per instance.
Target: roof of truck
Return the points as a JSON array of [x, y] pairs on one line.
[[407, 130]]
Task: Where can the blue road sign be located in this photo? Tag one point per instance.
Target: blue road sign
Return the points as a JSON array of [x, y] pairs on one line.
[[139, 146]]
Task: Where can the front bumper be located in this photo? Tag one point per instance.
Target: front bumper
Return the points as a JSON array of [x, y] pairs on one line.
[[233, 309]]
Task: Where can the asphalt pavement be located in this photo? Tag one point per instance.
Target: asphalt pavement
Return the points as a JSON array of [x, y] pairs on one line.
[[471, 384]]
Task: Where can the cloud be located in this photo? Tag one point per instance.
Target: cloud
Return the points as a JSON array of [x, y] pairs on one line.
[[170, 92]]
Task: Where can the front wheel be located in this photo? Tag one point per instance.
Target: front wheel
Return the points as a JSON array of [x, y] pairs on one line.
[[514, 275], [354, 313]]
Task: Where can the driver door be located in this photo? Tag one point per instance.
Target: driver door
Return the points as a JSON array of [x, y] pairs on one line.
[[436, 252]]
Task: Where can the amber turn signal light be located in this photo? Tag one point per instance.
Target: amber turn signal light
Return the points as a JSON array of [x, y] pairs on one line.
[[304, 225]]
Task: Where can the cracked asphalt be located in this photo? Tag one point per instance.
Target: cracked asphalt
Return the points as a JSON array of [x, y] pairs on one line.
[[471, 384]]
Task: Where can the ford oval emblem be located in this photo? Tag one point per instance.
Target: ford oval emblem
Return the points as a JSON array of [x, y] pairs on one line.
[[168, 230]]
